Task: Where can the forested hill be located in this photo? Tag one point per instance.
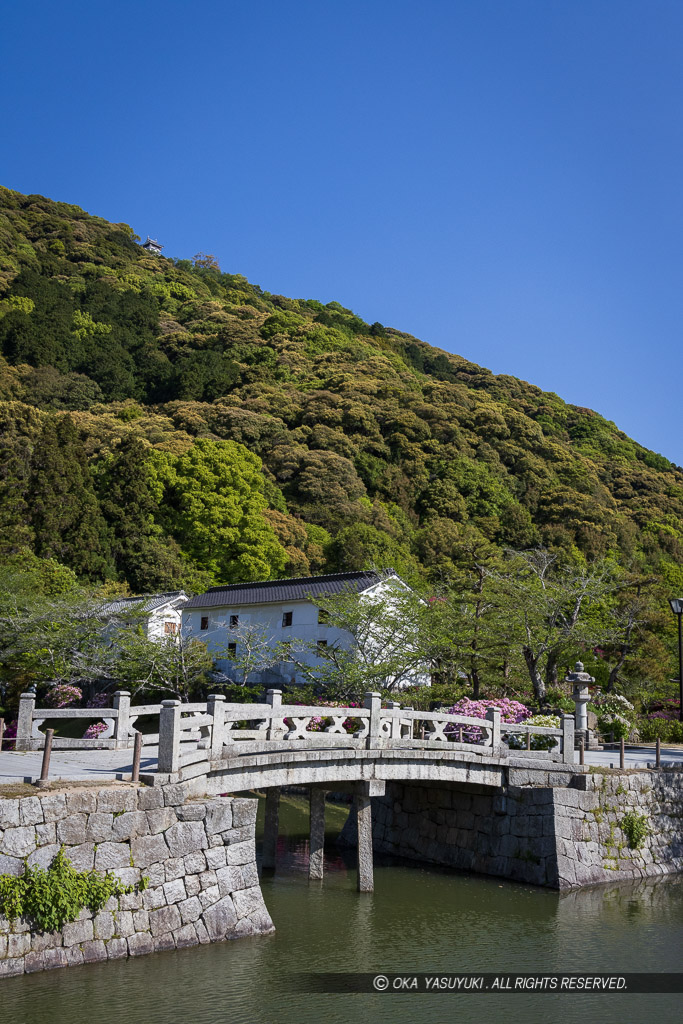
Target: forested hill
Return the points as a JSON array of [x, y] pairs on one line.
[[166, 423]]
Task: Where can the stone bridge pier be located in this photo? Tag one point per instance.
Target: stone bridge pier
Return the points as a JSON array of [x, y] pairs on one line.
[[362, 793]]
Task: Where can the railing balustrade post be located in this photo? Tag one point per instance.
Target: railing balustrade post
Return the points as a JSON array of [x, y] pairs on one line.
[[215, 706], [274, 698], [373, 702], [395, 729], [169, 736], [493, 716], [122, 723], [568, 723], [27, 704]]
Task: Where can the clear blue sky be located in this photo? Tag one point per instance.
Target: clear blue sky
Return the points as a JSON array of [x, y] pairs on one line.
[[502, 178]]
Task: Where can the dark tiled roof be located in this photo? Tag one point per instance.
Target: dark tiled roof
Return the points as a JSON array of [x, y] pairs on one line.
[[299, 588], [148, 604]]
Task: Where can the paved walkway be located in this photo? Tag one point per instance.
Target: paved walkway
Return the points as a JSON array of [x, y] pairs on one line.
[[105, 765], [98, 765]]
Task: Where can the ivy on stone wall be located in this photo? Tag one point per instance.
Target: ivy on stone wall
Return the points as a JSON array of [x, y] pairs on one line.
[[51, 898]]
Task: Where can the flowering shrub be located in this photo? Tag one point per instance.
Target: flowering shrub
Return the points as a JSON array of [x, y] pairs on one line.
[[100, 700], [510, 711], [517, 742], [666, 709], [94, 730], [615, 714], [9, 736], [63, 696]]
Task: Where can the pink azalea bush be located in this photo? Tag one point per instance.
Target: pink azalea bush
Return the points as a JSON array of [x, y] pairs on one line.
[[510, 711], [100, 700], [94, 730], [62, 695]]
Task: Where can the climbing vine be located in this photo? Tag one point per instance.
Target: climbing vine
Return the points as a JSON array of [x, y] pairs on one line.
[[53, 897], [636, 828]]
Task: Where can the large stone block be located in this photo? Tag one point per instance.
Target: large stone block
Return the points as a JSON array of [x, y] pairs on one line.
[[77, 932], [71, 830], [13, 965], [154, 898], [54, 806], [140, 943], [94, 951], [166, 919], [186, 837], [215, 858], [241, 853], [174, 892], [117, 799], [123, 923], [129, 825], [46, 834], [45, 940], [160, 818], [195, 863], [150, 797], [209, 896], [18, 945], [148, 850], [186, 936], [191, 812], [190, 910], [18, 842], [162, 942], [9, 813], [219, 815], [30, 811], [98, 828], [247, 901], [220, 919], [174, 868], [11, 865], [82, 857], [103, 925], [116, 948], [112, 855], [81, 801], [243, 811], [43, 856]]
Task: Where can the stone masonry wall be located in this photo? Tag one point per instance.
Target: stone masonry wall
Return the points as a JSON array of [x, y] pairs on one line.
[[562, 837], [198, 856]]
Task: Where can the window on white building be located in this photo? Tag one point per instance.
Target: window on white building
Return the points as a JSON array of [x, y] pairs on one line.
[[204, 623], [234, 621], [286, 618]]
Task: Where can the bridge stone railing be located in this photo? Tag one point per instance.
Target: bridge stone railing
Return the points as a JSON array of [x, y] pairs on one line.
[[189, 733]]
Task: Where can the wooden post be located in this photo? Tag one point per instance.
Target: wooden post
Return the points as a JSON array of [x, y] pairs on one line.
[[317, 843], [658, 754], [582, 747], [365, 867], [137, 751], [47, 751], [271, 826], [2, 731], [621, 754], [528, 740], [169, 737]]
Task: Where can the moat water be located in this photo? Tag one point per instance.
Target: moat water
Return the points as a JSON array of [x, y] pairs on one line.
[[418, 919]]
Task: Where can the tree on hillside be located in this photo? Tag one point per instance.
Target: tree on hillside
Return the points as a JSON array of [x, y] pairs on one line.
[[544, 616], [65, 514], [146, 559], [212, 502]]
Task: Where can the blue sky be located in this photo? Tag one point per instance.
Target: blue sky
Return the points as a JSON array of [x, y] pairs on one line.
[[501, 178]]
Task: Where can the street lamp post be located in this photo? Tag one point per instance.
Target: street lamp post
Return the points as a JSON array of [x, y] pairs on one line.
[[677, 608]]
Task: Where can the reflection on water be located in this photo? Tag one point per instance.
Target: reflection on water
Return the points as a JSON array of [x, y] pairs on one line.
[[417, 919]]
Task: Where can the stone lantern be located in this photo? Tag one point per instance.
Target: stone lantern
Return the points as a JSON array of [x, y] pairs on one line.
[[580, 681]]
